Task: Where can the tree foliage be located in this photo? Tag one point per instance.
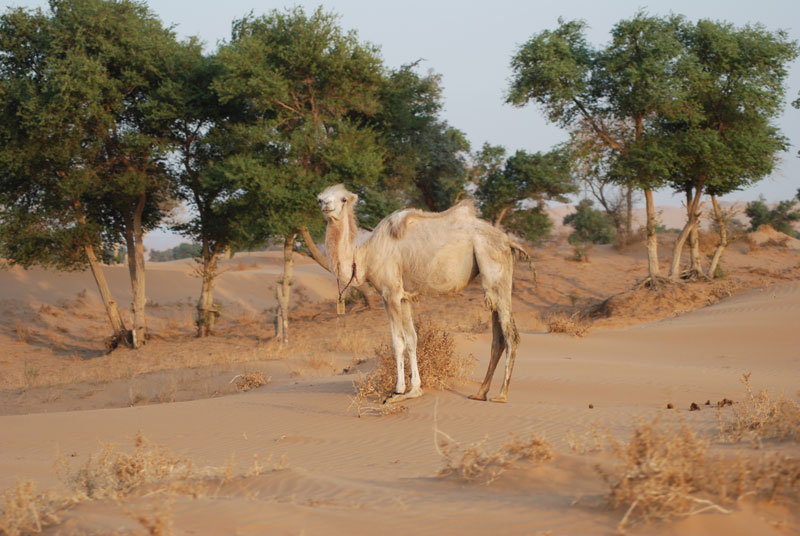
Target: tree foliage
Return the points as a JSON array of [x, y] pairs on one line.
[[591, 226], [781, 218], [505, 183]]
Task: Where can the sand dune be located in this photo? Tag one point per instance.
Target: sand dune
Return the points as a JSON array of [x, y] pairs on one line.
[[349, 475]]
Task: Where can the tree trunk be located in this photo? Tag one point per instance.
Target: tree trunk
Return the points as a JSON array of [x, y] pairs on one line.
[[206, 312], [652, 238], [628, 213], [691, 223], [134, 236], [117, 325], [502, 214], [694, 249], [722, 226], [696, 266], [316, 254], [371, 296], [283, 290]]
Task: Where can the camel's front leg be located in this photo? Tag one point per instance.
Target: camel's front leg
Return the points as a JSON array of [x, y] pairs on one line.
[[401, 342]]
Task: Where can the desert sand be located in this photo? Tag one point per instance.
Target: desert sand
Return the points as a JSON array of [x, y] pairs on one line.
[[325, 470]]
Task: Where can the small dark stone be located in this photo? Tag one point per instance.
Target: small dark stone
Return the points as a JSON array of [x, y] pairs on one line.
[[724, 402], [591, 406], [694, 407], [670, 406], [708, 402]]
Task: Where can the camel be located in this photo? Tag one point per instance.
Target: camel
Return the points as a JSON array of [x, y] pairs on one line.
[[413, 252]]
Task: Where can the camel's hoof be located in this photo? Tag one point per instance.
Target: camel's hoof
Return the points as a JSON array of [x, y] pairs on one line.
[[399, 397], [477, 397], [500, 399]]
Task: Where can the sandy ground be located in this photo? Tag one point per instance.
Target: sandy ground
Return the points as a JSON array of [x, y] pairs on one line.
[[341, 474]]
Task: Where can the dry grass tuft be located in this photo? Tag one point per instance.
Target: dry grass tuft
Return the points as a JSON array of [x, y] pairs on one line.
[[27, 511], [475, 463], [668, 472], [115, 474], [564, 323], [760, 416], [593, 439], [250, 380], [440, 367]]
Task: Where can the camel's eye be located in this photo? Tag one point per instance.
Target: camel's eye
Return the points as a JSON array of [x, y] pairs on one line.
[[344, 200]]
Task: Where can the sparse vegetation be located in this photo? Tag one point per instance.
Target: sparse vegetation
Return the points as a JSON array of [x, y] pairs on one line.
[[668, 471], [475, 463], [569, 324], [250, 380], [440, 367], [760, 416]]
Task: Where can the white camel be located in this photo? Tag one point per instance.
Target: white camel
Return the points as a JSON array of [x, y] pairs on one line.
[[413, 252]]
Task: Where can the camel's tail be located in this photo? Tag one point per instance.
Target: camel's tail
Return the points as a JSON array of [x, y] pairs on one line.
[[523, 254]]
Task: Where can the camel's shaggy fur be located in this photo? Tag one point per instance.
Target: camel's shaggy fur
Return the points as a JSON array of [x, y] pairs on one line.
[[413, 252]]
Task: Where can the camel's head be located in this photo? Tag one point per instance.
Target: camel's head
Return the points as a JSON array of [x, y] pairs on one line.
[[335, 200]]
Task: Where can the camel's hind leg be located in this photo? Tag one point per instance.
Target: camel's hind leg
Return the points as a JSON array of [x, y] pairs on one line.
[[496, 265], [498, 345]]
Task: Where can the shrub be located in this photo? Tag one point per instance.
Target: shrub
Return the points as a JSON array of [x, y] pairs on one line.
[[591, 226], [761, 416], [440, 367]]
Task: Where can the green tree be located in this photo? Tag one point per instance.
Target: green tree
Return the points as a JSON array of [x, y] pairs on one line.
[[781, 218], [424, 157], [184, 250], [504, 183], [591, 226], [614, 94], [736, 86], [305, 87], [82, 159]]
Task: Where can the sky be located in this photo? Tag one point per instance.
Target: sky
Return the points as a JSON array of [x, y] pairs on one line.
[[470, 44]]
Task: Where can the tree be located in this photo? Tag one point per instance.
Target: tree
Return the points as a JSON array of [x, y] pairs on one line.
[[502, 187], [82, 159], [591, 225], [781, 218], [305, 87], [729, 142], [615, 93], [424, 157]]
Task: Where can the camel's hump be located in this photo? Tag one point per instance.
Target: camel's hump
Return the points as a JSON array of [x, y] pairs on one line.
[[398, 222]]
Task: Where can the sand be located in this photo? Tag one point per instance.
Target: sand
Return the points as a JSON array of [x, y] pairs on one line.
[[342, 474]]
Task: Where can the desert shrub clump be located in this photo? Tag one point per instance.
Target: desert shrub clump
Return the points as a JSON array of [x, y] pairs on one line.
[[440, 366], [760, 416], [476, 463], [668, 471]]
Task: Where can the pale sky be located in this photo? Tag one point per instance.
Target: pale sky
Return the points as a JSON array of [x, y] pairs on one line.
[[470, 43]]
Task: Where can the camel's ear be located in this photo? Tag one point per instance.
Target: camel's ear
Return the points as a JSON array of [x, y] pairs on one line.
[[352, 198]]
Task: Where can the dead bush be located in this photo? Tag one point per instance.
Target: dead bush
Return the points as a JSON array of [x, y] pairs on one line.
[[561, 322], [760, 416], [114, 474], [475, 463], [26, 511], [440, 367], [668, 472], [250, 380]]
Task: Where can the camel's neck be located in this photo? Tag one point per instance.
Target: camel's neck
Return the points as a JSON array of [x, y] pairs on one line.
[[340, 238]]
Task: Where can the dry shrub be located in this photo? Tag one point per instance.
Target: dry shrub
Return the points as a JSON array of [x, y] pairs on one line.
[[159, 522], [27, 511], [440, 367], [115, 474], [593, 439], [761, 416], [250, 380], [668, 472], [563, 323], [475, 463]]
